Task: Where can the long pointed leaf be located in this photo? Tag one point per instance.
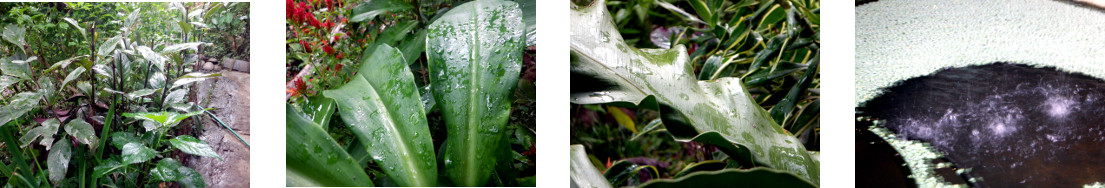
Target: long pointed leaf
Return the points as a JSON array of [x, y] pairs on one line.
[[314, 159], [370, 9], [719, 112], [191, 145], [83, 132], [475, 56], [19, 105], [384, 110], [756, 177], [584, 174], [58, 160]]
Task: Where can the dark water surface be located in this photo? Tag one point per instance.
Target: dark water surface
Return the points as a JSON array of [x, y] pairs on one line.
[[1013, 125]]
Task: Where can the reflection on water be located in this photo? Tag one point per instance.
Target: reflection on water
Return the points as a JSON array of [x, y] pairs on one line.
[[1013, 125]]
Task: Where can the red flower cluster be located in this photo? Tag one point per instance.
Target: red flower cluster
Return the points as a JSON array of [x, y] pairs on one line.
[[328, 49], [299, 12]]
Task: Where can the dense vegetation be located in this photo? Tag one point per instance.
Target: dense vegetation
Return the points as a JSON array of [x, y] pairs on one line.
[[116, 78]]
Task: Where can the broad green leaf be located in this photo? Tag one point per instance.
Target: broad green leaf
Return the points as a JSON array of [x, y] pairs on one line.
[[46, 131], [141, 93], [383, 109], [413, 46], [108, 46], [19, 105], [169, 169], [175, 96], [135, 152], [475, 56], [320, 109], [14, 34], [314, 159], [718, 112], [194, 77], [83, 132], [72, 76], [755, 177], [157, 80], [106, 167], [102, 70], [183, 46], [584, 174], [64, 63], [76, 25], [368, 9], [58, 160], [390, 36], [155, 58], [162, 119], [17, 68], [529, 16], [774, 15], [6, 81], [119, 139], [191, 145]]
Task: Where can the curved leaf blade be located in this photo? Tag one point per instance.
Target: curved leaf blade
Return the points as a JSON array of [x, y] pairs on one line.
[[314, 159], [756, 177], [719, 112], [370, 9], [76, 25], [584, 174], [19, 105], [135, 152], [108, 46], [15, 34], [194, 77], [46, 131], [191, 145], [475, 55], [169, 169], [383, 109], [83, 132]]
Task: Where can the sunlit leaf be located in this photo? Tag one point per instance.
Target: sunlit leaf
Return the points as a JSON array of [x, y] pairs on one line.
[[191, 145], [162, 119], [83, 132], [475, 56], [108, 46], [193, 77]]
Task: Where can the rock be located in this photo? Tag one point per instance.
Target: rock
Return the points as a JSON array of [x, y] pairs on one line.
[[236, 65], [229, 95], [209, 66]]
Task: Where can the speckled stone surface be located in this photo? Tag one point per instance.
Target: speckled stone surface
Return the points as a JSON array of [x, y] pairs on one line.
[[902, 39]]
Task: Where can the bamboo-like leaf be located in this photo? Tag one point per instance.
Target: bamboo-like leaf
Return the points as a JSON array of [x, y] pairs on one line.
[[46, 131], [368, 10], [191, 145], [719, 112], [58, 160], [83, 132], [755, 177], [73, 75], [475, 56], [783, 108], [383, 109], [65, 63], [136, 152], [584, 174], [108, 46], [314, 159]]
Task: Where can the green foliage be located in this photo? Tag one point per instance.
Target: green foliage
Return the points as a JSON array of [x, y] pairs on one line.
[[121, 54]]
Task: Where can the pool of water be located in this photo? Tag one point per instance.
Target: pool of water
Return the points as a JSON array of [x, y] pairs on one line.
[[1013, 125]]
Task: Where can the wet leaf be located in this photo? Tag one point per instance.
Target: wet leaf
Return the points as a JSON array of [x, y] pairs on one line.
[[108, 46], [119, 139], [370, 9], [58, 160], [162, 119], [72, 76], [14, 34], [475, 56], [314, 159], [175, 96], [781, 110], [620, 172], [755, 177], [46, 130], [584, 174], [153, 57], [19, 105], [83, 132], [17, 68], [383, 109], [320, 109], [141, 93], [183, 46], [106, 167], [191, 145], [710, 165], [135, 152], [169, 170], [194, 77], [719, 112]]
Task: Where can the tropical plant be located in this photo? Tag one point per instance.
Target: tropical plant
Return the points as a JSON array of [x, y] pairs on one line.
[[455, 116], [89, 83], [743, 98]]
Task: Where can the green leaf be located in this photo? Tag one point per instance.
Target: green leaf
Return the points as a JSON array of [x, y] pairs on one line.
[[72, 76], [384, 110], [163, 119], [135, 152], [191, 145], [183, 46], [620, 172], [106, 167], [19, 105], [108, 46], [17, 68], [141, 93], [64, 63], [320, 109], [719, 112], [75, 25], [529, 16], [708, 10], [83, 132], [710, 165], [368, 9], [390, 36], [780, 111], [175, 96], [6, 81], [169, 169], [755, 177], [314, 159], [811, 112], [413, 46], [475, 56], [584, 174], [14, 34], [194, 77], [119, 139], [152, 56], [58, 160], [46, 131], [774, 15]]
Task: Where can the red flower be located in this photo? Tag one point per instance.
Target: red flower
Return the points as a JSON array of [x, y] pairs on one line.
[[327, 49], [339, 57], [330, 3], [338, 68], [289, 9], [305, 46], [313, 21]]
